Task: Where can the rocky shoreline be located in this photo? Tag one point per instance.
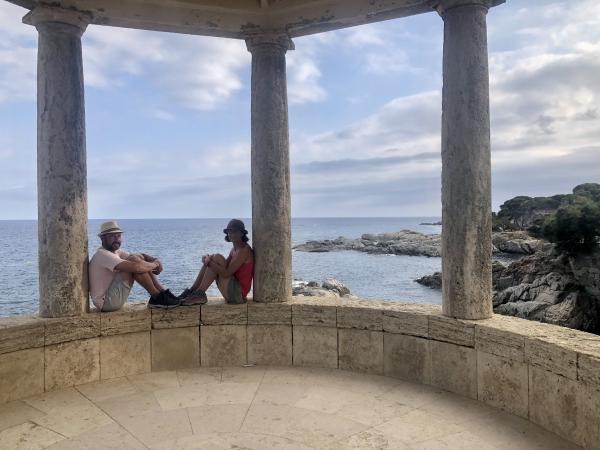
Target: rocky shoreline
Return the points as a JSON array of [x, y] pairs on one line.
[[547, 287], [413, 243]]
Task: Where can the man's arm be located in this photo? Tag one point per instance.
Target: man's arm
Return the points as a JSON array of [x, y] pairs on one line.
[[137, 266]]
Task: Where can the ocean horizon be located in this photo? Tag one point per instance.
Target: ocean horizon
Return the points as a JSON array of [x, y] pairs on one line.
[[180, 242]]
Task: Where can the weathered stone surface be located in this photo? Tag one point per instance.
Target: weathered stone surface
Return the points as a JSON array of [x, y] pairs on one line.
[[466, 166], [269, 313], [500, 339], [62, 173], [588, 420], [360, 350], [223, 345], [414, 323], [319, 315], [182, 317], [270, 344], [454, 368], [21, 374], [217, 312], [175, 348], [315, 346], [72, 363], [454, 331], [588, 370], [125, 354], [549, 354], [67, 329], [359, 317], [407, 358], [503, 383], [132, 318], [553, 402], [20, 333], [270, 170]]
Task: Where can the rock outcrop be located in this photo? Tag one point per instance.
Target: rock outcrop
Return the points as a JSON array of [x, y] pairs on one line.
[[329, 288], [407, 242], [546, 287]]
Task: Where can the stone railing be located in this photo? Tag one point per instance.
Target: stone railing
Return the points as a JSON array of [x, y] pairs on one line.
[[544, 373]]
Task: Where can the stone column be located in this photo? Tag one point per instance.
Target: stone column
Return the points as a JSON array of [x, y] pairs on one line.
[[271, 209], [61, 162], [466, 171]]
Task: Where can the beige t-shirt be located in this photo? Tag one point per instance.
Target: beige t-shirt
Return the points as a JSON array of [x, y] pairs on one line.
[[102, 272]]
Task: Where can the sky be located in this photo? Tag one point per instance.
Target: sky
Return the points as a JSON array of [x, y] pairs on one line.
[[168, 116]]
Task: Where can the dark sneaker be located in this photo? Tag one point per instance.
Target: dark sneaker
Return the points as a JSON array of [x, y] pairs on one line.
[[197, 297], [184, 294], [163, 300], [170, 294]]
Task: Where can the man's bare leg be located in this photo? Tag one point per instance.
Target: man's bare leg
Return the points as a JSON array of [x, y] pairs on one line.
[[147, 282], [209, 274]]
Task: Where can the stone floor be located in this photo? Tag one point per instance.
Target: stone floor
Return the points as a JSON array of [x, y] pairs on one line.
[[262, 408]]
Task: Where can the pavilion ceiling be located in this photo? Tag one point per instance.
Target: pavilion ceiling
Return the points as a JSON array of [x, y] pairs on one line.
[[240, 18]]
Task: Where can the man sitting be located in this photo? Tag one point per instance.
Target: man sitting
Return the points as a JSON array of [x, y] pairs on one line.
[[112, 272]]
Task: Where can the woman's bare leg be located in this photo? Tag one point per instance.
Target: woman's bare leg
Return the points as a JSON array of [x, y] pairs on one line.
[[207, 275]]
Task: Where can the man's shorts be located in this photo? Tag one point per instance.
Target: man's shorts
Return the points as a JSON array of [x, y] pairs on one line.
[[117, 294], [234, 292]]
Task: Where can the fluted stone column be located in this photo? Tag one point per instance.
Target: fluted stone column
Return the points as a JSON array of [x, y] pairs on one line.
[[466, 171], [271, 209], [61, 162]]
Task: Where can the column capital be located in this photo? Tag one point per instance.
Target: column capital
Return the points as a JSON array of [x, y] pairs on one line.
[[442, 6], [49, 14], [269, 41]]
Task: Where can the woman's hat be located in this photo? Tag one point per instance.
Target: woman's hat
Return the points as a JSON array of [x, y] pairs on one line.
[[237, 225], [111, 227]]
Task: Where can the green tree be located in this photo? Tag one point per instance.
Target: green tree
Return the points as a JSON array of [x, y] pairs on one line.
[[575, 226]]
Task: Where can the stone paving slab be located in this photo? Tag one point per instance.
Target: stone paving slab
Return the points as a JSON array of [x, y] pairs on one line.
[[262, 408]]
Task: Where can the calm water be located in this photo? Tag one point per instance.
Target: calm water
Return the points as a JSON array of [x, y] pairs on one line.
[[180, 243]]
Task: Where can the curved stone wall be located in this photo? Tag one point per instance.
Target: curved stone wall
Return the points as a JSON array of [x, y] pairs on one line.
[[547, 374]]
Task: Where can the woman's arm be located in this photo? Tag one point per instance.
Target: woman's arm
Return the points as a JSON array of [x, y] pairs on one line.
[[233, 263]]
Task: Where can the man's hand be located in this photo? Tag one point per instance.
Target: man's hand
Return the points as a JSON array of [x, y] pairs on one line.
[[206, 259]]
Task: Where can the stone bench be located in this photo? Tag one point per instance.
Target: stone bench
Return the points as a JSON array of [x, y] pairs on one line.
[[547, 374]]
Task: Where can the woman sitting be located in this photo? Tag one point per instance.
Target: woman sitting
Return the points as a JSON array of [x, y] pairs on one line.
[[233, 275]]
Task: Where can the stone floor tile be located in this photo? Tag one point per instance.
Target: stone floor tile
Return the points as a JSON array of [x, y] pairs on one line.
[[271, 419], [369, 440], [130, 406], [280, 393], [246, 441], [229, 393], [417, 426], [462, 440], [16, 413], [200, 375], [28, 436], [412, 394], [154, 381], [504, 430], [217, 418], [106, 389], [252, 374], [155, 427], [68, 412], [288, 375], [109, 437], [372, 411], [184, 397], [455, 408]]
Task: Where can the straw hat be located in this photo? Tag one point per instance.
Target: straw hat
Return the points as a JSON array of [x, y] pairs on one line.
[[111, 227]]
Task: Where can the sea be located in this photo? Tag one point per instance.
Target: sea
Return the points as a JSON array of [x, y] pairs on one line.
[[180, 243]]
